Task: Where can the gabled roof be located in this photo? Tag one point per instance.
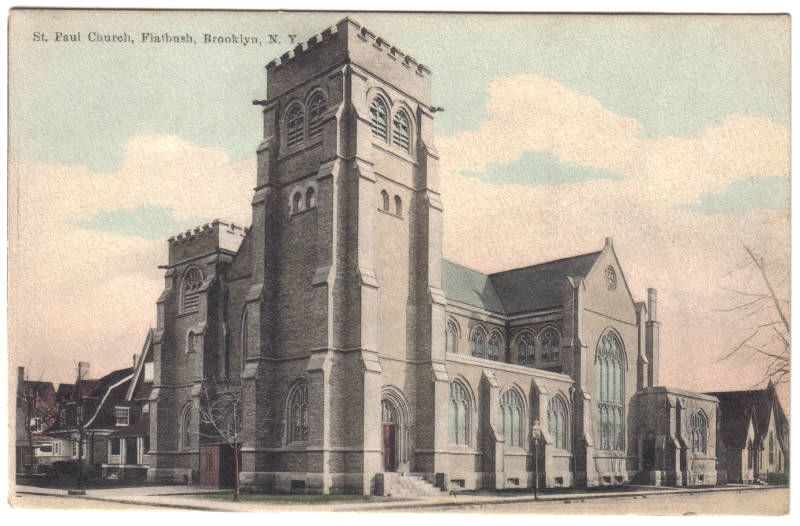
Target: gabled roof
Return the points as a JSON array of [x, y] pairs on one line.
[[137, 391], [539, 286], [510, 292], [469, 286], [738, 407]]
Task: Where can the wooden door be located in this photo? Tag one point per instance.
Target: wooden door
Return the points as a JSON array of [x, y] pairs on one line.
[[389, 447], [209, 466], [131, 451]]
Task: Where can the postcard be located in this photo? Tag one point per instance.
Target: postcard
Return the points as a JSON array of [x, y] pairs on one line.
[[399, 262]]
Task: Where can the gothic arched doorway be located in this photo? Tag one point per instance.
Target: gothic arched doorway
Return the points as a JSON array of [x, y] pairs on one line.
[[395, 435], [389, 426]]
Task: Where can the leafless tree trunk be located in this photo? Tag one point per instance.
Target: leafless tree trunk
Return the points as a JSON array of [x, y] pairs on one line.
[[769, 334], [220, 411]]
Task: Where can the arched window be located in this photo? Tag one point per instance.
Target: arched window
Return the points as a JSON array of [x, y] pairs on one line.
[[698, 424], [297, 199], [385, 200], [398, 206], [459, 414], [187, 428], [511, 410], [609, 366], [245, 350], [549, 343], [494, 346], [479, 343], [525, 353], [297, 421], [294, 126], [451, 337], [190, 290], [192, 342], [311, 199], [401, 130], [379, 113], [558, 422], [750, 453], [315, 110], [771, 448]]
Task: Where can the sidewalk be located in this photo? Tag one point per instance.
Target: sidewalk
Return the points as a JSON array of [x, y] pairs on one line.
[[191, 498]]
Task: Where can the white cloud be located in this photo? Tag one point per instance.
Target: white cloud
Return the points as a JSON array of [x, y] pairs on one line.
[[76, 293]]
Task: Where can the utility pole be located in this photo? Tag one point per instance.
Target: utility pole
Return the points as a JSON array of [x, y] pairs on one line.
[[79, 426]]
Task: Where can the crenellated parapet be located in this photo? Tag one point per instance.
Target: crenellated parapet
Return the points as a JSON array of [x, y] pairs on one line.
[[348, 41], [216, 236]]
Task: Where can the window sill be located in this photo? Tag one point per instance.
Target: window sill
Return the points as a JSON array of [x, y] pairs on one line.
[[287, 152], [303, 211], [386, 212], [393, 150]]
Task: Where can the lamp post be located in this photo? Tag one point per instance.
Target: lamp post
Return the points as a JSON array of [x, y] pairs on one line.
[[536, 437]]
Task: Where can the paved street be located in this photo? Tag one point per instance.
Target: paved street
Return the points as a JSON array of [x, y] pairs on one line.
[[738, 501], [751, 502]]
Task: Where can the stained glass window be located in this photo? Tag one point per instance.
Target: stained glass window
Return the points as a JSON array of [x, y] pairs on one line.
[[558, 422], [525, 352], [609, 367], [511, 411], [459, 414]]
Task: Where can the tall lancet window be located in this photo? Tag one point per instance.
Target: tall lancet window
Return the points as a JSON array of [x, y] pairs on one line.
[[297, 421], [558, 422], [459, 414], [511, 411], [609, 365]]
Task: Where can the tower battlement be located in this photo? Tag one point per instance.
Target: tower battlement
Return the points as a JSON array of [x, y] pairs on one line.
[[210, 237], [349, 40], [364, 34]]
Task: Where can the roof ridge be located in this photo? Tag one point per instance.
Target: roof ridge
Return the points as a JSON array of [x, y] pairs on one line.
[[597, 252], [466, 267]]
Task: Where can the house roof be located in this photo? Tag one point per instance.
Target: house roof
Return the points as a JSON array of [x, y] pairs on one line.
[[738, 407], [514, 291]]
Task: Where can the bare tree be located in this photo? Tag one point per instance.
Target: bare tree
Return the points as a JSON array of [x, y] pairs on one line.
[[220, 411], [769, 331]]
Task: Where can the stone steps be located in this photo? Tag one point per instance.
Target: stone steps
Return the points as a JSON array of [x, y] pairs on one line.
[[404, 485]]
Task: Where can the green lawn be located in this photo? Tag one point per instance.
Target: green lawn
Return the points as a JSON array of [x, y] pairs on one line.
[[284, 499]]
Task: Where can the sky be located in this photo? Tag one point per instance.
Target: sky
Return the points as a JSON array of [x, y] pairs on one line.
[[668, 133]]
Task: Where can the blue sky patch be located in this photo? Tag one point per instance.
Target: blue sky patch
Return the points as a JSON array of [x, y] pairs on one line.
[[537, 168], [743, 196], [147, 221]]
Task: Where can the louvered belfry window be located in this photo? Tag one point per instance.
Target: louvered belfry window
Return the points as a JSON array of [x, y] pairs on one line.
[[190, 290], [294, 127], [379, 115], [401, 130], [315, 110]]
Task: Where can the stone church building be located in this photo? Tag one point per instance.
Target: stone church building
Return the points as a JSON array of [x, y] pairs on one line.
[[362, 354]]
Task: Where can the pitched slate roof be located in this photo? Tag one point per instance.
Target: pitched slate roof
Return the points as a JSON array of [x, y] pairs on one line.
[[539, 286], [469, 286], [514, 291], [736, 408]]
